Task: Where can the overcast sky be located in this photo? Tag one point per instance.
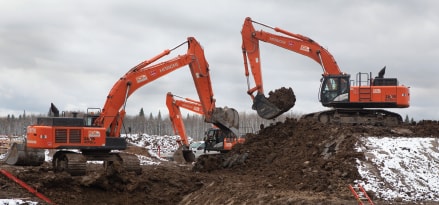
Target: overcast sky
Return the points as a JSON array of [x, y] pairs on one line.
[[72, 52]]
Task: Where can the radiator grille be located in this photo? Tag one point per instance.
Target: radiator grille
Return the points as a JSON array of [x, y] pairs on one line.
[[60, 135], [67, 135], [75, 136]]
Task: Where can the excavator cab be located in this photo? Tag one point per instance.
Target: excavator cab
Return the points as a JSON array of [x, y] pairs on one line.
[[221, 140], [334, 89], [91, 116]]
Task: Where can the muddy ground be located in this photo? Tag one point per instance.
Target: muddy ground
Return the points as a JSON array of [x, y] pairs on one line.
[[294, 162]]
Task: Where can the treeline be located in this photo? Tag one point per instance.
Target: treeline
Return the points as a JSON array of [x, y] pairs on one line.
[[157, 124], [150, 124]]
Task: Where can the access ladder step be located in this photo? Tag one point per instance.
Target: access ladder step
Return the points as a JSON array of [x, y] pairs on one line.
[[360, 194]]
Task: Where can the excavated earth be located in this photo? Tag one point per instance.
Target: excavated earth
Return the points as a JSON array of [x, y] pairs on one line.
[[283, 98], [294, 162]]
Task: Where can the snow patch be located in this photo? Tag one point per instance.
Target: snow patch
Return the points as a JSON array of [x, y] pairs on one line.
[[400, 167], [16, 202]]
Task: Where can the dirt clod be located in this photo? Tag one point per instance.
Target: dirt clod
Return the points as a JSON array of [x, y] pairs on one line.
[[283, 98]]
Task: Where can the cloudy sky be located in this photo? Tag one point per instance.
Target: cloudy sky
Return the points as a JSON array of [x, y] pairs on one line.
[[72, 52]]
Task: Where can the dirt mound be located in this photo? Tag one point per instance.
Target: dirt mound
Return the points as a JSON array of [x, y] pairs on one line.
[[426, 128], [302, 156], [305, 156], [162, 184], [294, 162]]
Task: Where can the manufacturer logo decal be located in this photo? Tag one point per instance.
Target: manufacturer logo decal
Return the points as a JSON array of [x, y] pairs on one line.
[[94, 133], [141, 78], [304, 48]]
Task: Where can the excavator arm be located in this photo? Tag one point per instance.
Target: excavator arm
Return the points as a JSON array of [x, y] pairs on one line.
[[113, 111], [282, 99], [176, 117], [178, 124]]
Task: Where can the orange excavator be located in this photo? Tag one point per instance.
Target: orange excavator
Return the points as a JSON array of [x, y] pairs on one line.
[[353, 101], [220, 139], [95, 136]]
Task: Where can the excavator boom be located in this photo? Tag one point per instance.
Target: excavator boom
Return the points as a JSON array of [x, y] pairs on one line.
[[293, 42], [114, 108], [140, 75]]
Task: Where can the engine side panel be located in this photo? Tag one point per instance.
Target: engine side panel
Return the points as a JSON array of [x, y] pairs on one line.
[[52, 137]]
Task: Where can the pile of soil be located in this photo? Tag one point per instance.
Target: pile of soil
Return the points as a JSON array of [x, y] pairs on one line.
[[294, 162], [304, 157], [295, 156], [163, 184], [283, 98]]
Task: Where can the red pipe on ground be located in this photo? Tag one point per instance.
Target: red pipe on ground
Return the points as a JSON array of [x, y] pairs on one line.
[[26, 186]]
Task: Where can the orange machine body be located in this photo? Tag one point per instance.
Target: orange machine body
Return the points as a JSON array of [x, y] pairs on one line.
[[382, 96], [49, 137]]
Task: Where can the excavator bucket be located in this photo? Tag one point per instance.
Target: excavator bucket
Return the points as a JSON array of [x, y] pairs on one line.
[[20, 154], [278, 102], [188, 156], [226, 118], [184, 153]]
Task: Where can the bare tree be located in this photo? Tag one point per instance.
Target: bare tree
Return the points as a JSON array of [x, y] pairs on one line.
[[153, 125]]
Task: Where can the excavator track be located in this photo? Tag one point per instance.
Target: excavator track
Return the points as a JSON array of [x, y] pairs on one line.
[[71, 162], [130, 163], [76, 163], [19, 154], [377, 117]]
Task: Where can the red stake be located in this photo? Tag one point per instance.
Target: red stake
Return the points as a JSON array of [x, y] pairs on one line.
[[26, 186]]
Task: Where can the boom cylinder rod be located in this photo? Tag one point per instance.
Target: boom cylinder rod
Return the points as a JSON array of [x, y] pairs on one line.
[[321, 62]]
